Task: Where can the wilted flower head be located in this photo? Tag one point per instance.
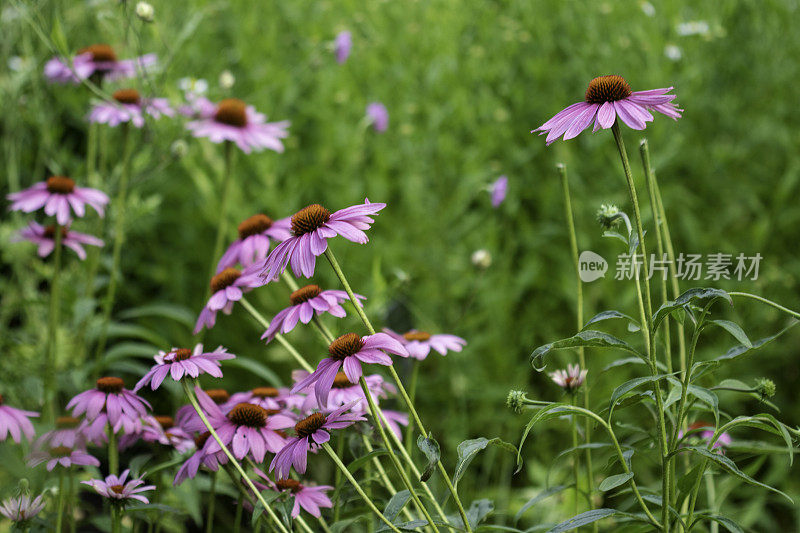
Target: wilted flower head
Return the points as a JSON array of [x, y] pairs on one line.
[[607, 98], [342, 46], [22, 508], [419, 343], [98, 60], [348, 352], [15, 422], [129, 106], [378, 116], [227, 288], [44, 237], [569, 379], [118, 490], [59, 196], [311, 227], [498, 190], [306, 302], [310, 432], [181, 362], [162, 429], [235, 121]]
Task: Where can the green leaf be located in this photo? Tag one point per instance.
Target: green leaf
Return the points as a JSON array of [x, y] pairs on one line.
[[257, 368], [734, 329], [729, 524], [692, 295], [767, 422], [178, 313], [396, 504], [468, 449], [731, 467], [612, 482], [537, 416], [478, 511], [687, 481], [539, 497], [269, 497], [587, 338], [624, 361], [628, 386], [364, 459], [609, 315], [584, 518], [430, 448]]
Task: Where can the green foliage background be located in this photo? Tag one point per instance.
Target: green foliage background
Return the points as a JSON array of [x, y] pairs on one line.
[[464, 83]]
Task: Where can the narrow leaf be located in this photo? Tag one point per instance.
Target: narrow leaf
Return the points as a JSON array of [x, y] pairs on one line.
[[430, 448]]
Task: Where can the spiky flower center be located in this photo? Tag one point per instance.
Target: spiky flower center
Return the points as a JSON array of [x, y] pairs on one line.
[[50, 231], [265, 392], [254, 225], [127, 96], [200, 440], [67, 422], [180, 354], [310, 424], [166, 422], [60, 451], [218, 396], [60, 185], [247, 414], [304, 294], [291, 485], [341, 381], [308, 219], [224, 279], [110, 385], [345, 346], [607, 89], [100, 52], [117, 488], [232, 112], [416, 336]]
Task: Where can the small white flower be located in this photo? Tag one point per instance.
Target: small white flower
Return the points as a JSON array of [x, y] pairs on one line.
[[673, 52], [226, 79], [693, 27], [481, 258], [569, 379], [193, 85], [145, 11]]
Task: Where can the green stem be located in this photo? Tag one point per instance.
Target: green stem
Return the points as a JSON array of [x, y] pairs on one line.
[[267, 509], [687, 376], [280, 338], [575, 463], [116, 518], [647, 323], [384, 477], [412, 388], [379, 423], [357, 487], [212, 500], [119, 238], [50, 372], [60, 512], [338, 270], [222, 224], [573, 244], [337, 479], [795, 314], [237, 519], [113, 452]]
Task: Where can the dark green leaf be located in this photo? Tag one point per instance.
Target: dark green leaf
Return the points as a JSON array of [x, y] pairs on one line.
[[734, 329], [364, 459], [729, 524], [257, 368], [582, 519], [430, 448], [628, 386], [478, 511], [396, 504], [586, 338], [612, 482], [469, 448], [609, 315], [539, 497], [692, 295]]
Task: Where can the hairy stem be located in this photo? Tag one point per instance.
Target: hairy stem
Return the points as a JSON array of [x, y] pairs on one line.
[[50, 372]]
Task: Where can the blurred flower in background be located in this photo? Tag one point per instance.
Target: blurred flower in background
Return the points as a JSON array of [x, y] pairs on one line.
[[378, 116], [44, 237], [98, 60], [499, 189], [342, 46]]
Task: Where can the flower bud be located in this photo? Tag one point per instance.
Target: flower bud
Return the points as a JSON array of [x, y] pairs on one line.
[[226, 79], [765, 388], [516, 400], [607, 216], [481, 258], [145, 11]]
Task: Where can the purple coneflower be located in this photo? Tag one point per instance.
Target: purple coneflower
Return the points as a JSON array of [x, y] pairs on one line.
[[395, 419], [498, 190], [342, 46], [311, 431], [233, 120], [96, 60], [180, 362], [110, 402], [569, 379], [418, 344], [227, 288], [44, 237], [306, 301], [188, 419], [57, 195], [252, 246], [119, 490], [312, 226], [66, 434], [189, 468], [310, 497], [349, 351], [607, 98], [129, 106], [22, 508], [378, 116], [246, 429], [15, 422], [343, 392], [162, 429], [62, 455], [267, 397]]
